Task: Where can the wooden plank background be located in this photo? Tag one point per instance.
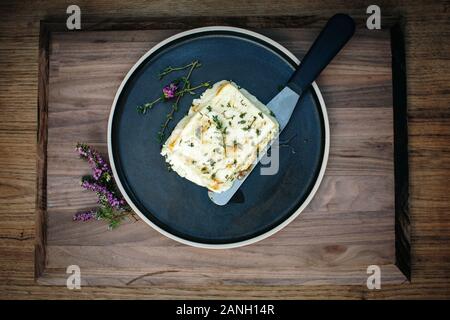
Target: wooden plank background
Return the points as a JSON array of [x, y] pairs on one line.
[[426, 24], [353, 211]]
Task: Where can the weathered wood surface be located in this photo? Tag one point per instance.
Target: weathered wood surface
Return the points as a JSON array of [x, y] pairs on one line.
[[348, 226], [426, 26]]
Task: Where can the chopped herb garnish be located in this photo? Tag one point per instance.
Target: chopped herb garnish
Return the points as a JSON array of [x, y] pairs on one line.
[[223, 131], [218, 123], [209, 108], [242, 115], [258, 132], [261, 115], [250, 125]]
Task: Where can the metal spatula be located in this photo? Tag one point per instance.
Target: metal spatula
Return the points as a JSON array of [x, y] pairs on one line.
[[338, 30]]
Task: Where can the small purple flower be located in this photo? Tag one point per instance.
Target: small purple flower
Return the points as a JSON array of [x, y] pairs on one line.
[[81, 151], [103, 191], [85, 216], [98, 165], [97, 173], [169, 91]]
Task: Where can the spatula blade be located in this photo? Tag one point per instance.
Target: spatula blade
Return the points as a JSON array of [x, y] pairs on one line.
[[282, 106]]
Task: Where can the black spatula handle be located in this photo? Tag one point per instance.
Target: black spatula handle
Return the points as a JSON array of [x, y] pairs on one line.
[[338, 30]]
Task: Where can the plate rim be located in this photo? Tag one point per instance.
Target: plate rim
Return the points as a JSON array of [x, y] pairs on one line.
[[265, 234]]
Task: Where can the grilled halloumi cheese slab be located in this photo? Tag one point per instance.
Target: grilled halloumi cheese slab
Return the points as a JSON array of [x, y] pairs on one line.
[[220, 137]]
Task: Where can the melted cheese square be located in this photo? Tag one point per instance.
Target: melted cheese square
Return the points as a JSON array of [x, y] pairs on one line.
[[221, 137]]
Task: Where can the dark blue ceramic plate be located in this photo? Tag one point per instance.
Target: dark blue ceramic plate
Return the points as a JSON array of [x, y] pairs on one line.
[[177, 207]]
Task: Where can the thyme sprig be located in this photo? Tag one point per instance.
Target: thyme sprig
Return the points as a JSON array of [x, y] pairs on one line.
[[170, 69], [175, 90], [147, 106], [186, 88], [191, 90]]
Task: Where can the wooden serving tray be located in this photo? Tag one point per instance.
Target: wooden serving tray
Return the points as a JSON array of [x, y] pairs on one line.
[[358, 217]]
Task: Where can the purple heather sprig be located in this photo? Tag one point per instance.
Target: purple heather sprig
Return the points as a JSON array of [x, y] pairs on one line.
[[113, 207], [103, 194], [98, 165], [85, 216]]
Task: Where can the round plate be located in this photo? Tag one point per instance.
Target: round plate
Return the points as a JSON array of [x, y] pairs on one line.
[[177, 207]]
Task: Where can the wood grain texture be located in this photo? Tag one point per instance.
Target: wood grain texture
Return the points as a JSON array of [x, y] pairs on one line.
[[426, 25], [348, 226], [41, 163]]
